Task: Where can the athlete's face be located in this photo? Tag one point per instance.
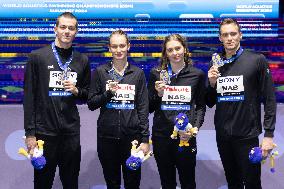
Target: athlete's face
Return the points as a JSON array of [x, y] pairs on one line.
[[66, 31], [119, 47], [175, 52], [230, 36]]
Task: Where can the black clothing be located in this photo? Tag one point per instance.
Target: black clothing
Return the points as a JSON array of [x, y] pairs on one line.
[[55, 119], [117, 128], [238, 122], [64, 53], [113, 154], [118, 123], [54, 115], [239, 170], [243, 118], [163, 121], [166, 152], [64, 151], [169, 159]]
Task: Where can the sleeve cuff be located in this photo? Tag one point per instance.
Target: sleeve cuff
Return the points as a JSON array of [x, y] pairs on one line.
[[269, 134], [108, 94], [145, 139], [79, 92], [30, 132]]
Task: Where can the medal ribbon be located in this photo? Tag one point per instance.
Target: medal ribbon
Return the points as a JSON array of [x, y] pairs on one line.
[[62, 66]]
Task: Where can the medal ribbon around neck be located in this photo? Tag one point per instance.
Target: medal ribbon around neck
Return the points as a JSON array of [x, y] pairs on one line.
[[170, 71], [63, 67], [217, 60], [115, 76]]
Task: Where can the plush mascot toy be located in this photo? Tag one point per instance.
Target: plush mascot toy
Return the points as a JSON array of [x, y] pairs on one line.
[[137, 157], [37, 158], [255, 156], [182, 125]]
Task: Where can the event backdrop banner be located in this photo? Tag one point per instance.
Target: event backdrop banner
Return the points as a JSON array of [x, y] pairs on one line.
[[141, 9]]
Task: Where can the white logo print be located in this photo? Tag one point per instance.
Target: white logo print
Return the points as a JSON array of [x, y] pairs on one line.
[[50, 67]]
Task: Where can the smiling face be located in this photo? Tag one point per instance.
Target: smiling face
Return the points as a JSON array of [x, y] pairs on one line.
[[118, 46], [230, 36], [175, 52], [65, 31]]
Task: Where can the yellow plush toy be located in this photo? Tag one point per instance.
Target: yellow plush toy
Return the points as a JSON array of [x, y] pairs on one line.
[[182, 125]]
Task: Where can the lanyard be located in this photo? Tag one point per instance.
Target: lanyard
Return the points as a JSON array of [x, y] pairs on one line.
[[62, 66], [170, 71], [115, 76], [217, 60]]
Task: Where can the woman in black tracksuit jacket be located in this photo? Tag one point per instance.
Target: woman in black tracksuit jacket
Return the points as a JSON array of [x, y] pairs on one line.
[[175, 60], [119, 90]]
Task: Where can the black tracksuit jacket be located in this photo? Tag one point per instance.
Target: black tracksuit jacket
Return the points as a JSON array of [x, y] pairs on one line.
[[242, 119], [117, 123], [163, 121], [52, 115]]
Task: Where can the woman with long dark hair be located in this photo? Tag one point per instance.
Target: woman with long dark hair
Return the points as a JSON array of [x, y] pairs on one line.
[[176, 87]]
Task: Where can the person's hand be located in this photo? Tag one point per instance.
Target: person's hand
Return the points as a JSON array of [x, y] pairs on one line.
[[160, 86], [30, 143], [213, 74], [267, 145], [145, 147], [70, 86], [112, 86]]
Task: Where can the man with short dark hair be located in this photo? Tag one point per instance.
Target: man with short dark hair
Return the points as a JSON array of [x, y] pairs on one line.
[[56, 76], [239, 80]]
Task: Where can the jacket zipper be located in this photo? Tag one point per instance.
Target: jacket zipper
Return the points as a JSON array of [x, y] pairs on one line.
[[119, 124]]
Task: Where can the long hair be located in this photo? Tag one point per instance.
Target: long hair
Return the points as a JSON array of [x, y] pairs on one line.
[[164, 59]]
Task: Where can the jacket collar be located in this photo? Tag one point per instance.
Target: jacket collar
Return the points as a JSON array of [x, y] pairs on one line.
[[129, 68]]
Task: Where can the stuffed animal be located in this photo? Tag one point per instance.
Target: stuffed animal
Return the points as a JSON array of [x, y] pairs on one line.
[[255, 156], [134, 162], [182, 125], [37, 158]]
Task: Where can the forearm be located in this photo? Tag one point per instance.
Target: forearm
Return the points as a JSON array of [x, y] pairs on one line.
[[96, 101]]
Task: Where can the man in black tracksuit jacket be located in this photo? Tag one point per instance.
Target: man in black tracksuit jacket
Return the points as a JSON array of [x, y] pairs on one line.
[[123, 113], [237, 88], [50, 112]]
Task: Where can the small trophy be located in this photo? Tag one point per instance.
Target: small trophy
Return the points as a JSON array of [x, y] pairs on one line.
[[164, 76]]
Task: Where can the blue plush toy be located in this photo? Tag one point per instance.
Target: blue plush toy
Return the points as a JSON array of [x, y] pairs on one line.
[[134, 162], [255, 156], [37, 159], [182, 125]]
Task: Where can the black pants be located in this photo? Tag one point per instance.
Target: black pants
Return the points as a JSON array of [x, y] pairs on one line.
[[113, 154], [238, 170], [169, 159], [64, 151]]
